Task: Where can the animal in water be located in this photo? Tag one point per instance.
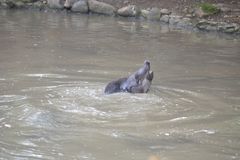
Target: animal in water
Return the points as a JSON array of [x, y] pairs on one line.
[[138, 82]]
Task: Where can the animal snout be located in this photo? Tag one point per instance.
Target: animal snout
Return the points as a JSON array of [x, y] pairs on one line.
[[147, 62]]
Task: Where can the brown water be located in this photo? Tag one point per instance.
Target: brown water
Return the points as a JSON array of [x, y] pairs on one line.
[[54, 67]]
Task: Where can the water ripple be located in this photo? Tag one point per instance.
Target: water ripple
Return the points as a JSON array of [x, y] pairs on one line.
[[11, 98]]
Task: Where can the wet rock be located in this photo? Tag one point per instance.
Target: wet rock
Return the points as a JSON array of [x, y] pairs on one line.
[[14, 3], [144, 13], [101, 8], [151, 14], [228, 28], [28, 1], [39, 5], [80, 6], [55, 4], [165, 19], [207, 25], [180, 22], [68, 3], [3, 5], [174, 20], [19, 4], [185, 23], [129, 11], [154, 14], [165, 12], [215, 26], [8, 4]]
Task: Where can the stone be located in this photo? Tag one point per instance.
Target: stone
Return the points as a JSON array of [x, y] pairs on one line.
[[19, 4], [165, 19], [207, 25], [80, 6], [68, 3], [144, 13], [174, 20], [165, 11], [151, 14], [39, 5], [55, 4], [185, 23], [229, 28], [3, 5], [28, 1], [101, 7], [154, 14], [129, 11], [9, 4]]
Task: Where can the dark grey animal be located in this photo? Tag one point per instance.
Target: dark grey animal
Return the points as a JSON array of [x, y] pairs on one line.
[[138, 82]]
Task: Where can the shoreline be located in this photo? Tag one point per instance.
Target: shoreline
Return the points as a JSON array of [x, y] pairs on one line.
[[162, 16]]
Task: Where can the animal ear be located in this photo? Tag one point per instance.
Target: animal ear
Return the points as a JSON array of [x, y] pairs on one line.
[[150, 76]]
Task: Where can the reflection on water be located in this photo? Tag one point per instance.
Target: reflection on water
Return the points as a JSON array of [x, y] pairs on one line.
[[54, 67]]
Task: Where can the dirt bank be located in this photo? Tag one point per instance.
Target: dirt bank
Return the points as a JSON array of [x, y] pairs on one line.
[[230, 8]]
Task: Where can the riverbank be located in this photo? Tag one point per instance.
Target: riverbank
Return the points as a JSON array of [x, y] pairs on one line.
[[210, 15]]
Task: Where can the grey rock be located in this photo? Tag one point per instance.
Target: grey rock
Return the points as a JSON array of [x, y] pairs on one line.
[[207, 25], [101, 8], [229, 28], [55, 4], [154, 14], [185, 23], [174, 20], [80, 6], [165, 11], [165, 19], [9, 4], [3, 5], [151, 14], [68, 3], [39, 5], [13, 4], [19, 4], [144, 13], [129, 11]]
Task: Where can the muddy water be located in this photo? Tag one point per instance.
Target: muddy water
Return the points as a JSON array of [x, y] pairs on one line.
[[54, 66]]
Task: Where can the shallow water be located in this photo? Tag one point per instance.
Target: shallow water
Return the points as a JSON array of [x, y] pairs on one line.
[[54, 67]]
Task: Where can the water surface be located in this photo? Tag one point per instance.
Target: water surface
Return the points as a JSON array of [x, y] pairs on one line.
[[53, 70]]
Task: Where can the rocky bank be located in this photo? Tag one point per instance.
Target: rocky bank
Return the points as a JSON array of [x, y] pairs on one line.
[[202, 16]]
